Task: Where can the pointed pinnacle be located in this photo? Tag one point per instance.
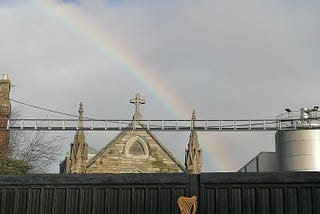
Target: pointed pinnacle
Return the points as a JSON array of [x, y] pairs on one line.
[[193, 118], [5, 76], [80, 115], [194, 115]]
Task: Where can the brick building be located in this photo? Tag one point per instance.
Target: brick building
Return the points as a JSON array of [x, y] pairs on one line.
[[5, 111]]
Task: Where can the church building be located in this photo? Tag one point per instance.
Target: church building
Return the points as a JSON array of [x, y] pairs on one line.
[[131, 151]]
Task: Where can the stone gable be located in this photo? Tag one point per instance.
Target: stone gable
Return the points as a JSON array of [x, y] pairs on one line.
[[134, 151], [131, 151]]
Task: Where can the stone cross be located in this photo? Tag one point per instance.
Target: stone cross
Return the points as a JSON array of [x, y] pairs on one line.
[[137, 101]]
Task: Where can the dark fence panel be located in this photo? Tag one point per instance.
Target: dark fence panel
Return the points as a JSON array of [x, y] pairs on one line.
[[96, 194], [227, 193], [250, 193]]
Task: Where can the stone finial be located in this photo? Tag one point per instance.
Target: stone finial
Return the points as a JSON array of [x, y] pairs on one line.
[[137, 101], [193, 115], [80, 115], [5, 76], [193, 118], [79, 136]]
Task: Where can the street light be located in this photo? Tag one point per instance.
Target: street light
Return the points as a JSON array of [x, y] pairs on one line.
[[288, 110]]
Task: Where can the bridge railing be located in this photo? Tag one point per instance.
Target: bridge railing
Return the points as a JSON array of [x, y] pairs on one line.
[[156, 125]]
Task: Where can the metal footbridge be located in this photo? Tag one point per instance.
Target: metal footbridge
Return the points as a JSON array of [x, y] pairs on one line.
[[158, 125], [305, 118]]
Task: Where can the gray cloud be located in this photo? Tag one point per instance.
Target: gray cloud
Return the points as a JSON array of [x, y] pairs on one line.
[[227, 60]]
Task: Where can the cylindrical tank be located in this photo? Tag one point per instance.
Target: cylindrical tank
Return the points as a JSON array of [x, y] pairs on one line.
[[298, 150]]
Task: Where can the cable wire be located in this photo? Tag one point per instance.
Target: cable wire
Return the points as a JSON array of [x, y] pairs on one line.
[[42, 108]]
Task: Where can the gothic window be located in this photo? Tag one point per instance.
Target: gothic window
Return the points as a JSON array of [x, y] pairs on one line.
[[136, 149]]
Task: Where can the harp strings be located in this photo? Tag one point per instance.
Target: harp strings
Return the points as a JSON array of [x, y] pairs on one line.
[[187, 205]]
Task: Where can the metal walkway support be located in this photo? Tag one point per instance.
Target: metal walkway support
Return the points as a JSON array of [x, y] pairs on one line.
[[159, 125]]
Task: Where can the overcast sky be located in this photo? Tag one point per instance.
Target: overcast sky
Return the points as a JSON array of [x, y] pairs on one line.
[[225, 59]]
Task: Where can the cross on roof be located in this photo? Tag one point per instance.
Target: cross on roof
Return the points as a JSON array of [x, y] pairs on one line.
[[137, 101]]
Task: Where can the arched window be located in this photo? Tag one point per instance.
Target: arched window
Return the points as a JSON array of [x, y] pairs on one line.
[[136, 149]]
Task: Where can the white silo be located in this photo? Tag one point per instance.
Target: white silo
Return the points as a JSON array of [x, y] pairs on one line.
[[299, 149]]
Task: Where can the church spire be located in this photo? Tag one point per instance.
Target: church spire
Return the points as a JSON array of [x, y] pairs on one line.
[[79, 148], [193, 157]]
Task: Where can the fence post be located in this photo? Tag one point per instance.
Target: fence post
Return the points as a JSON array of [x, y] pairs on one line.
[[194, 188]]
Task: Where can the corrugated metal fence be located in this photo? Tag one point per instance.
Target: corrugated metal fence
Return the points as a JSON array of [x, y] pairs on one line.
[[243, 193]]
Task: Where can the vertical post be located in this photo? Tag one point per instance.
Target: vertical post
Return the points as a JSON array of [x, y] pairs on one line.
[[279, 125], [106, 125], [119, 125], [21, 124], [134, 124], [194, 188], [91, 124]]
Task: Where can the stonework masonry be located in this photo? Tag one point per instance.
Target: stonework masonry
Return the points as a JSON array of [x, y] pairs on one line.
[[79, 149], [129, 152], [147, 156], [193, 156]]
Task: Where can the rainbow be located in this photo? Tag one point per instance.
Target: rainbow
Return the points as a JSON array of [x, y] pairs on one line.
[[72, 17]]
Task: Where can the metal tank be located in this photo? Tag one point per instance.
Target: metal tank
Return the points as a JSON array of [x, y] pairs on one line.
[[299, 149]]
